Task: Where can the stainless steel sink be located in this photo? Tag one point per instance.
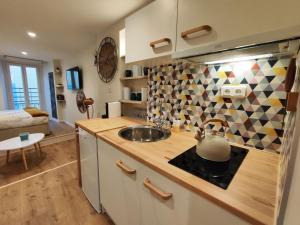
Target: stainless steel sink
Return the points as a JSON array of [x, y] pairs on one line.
[[143, 133]]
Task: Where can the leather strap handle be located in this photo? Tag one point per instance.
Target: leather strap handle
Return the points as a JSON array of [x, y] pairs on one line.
[[163, 195], [125, 168], [201, 131], [185, 34], [290, 75], [292, 97], [223, 122], [163, 40]]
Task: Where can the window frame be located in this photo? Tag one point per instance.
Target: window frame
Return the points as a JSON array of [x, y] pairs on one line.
[[23, 64]]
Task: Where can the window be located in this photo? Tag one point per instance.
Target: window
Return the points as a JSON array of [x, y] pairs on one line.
[[24, 86]]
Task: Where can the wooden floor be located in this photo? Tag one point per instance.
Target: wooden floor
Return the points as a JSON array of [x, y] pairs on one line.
[[59, 128], [52, 157], [50, 197]]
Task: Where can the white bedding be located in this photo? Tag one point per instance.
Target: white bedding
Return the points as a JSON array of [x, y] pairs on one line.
[[19, 118]]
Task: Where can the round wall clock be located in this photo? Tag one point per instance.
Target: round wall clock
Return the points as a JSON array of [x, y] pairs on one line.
[[106, 59]]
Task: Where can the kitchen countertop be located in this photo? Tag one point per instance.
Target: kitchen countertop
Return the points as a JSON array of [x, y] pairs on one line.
[[96, 125], [251, 194]]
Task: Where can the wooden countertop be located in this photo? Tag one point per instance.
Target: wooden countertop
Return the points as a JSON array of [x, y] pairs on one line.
[[251, 194], [96, 125]]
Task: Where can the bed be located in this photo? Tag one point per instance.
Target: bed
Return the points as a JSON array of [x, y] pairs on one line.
[[32, 120]]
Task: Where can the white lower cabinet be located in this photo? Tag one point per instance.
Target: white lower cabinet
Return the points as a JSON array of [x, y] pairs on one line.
[[119, 185], [148, 198], [183, 208], [89, 168]]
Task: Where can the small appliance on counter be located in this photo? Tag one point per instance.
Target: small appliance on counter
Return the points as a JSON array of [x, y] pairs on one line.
[[212, 146], [113, 109]]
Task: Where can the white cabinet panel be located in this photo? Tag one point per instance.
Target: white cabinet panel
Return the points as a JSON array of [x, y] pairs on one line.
[[89, 168], [119, 190], [184, 208], [151, 23], [233, 19], [129, 202]]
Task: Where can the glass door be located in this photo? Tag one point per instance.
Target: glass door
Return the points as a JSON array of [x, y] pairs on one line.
[[32, 86], [24, 86]]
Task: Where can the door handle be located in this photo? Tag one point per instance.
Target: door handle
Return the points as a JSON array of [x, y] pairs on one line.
[[186, 33], [125, 168], [167, 41], [163, 195]]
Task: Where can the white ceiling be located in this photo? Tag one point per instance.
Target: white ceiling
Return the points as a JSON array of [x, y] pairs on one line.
[[62, 26]]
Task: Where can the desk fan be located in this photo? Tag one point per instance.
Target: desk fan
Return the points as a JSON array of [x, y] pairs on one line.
[[84, 103]]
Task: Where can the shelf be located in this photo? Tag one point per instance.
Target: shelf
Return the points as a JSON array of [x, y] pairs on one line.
[[133, 102], [134, 78]]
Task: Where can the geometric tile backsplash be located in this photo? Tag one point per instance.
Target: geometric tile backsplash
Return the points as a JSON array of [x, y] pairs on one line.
[[191, 92]]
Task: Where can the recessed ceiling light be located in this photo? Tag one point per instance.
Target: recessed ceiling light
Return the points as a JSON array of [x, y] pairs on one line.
[[31, 34], [24, 53]]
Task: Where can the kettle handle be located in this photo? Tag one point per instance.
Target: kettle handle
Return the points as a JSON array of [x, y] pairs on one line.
[[201, 132], [223, 122]]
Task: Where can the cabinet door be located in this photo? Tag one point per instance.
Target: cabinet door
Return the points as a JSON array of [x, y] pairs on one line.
[[151, 23], [233, 19], [89, 168], [183, 208], [119, 185]]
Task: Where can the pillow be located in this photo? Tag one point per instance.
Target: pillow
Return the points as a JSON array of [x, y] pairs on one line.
[[35, 112]]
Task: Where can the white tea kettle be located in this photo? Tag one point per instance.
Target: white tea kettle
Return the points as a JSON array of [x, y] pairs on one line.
[[213, 147]]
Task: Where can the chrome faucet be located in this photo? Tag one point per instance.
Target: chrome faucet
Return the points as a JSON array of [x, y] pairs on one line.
[[160, 121]]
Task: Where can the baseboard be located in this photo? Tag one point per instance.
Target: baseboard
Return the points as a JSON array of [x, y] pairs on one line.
[[70, 124], [55, 120]]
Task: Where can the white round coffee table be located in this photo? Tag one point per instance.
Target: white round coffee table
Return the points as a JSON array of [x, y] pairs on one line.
[[16, 143]]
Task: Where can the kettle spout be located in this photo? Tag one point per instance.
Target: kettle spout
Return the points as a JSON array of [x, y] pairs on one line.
[[200, 134]]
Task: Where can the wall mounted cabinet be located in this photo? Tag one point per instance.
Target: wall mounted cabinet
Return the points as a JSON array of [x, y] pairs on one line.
[[207, 26], [233, 19], [134, 194], [153, 25]]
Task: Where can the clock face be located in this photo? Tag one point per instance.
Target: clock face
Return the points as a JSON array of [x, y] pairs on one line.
[[107, 59]]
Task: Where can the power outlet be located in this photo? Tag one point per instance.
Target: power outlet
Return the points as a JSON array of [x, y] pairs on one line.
[[233, 91]]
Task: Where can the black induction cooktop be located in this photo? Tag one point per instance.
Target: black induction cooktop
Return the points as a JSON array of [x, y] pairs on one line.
[[217, 173]]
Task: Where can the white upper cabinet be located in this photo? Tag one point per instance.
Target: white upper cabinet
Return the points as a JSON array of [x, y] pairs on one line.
[[156, 24], [234, 19]]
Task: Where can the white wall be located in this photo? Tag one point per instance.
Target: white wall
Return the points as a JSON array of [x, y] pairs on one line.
[[46, 68], [92, 85]]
